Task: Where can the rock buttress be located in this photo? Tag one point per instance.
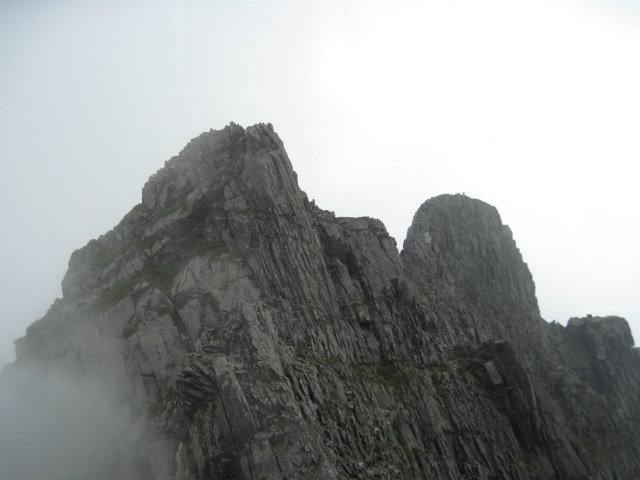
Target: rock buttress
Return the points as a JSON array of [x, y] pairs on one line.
[[250, 334]]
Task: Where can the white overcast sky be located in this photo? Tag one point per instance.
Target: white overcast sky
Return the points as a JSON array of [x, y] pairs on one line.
[[532, 106]]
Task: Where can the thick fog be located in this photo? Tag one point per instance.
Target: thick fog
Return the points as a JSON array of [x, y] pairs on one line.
[[530, 106], [57, 427]]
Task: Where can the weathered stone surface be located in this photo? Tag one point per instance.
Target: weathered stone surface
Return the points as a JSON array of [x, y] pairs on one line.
[[242, 332]]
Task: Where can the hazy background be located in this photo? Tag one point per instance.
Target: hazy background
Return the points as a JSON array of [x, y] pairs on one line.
[[532, 106]]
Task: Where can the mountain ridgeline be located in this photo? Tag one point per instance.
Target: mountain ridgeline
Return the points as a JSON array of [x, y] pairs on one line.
[[229, 328]]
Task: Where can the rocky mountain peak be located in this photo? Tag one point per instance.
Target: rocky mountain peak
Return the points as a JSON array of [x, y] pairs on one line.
[[457, 246], [232, 329], [462, 242]]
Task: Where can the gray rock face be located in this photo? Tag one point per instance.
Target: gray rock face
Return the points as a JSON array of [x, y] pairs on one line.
[[232, 329], [457, 248]]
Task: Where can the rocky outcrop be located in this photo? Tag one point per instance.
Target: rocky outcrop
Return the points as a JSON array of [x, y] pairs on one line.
[[233, 329], [457, 248]]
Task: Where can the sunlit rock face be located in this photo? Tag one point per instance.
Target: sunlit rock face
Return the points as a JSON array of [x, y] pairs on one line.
[[230, 328]]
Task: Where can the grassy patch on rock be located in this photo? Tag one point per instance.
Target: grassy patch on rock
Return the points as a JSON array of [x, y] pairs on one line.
[[391, 376], [112, 295]]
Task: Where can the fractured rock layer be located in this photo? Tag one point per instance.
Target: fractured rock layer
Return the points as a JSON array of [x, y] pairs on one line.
[[239, 331]]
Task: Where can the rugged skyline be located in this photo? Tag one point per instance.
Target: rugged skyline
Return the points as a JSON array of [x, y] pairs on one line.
[[230, 328], [531, 107]]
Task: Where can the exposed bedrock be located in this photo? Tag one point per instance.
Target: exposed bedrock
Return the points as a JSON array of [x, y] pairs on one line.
[[242, 332]]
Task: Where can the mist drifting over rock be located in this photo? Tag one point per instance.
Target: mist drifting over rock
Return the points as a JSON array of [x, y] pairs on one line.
[[230, 328]]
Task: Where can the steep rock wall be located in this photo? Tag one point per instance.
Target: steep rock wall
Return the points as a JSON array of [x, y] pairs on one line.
[[243, 332]]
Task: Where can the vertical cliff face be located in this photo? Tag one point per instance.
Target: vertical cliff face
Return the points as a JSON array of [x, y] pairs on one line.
[[457, 248], [239, 331]]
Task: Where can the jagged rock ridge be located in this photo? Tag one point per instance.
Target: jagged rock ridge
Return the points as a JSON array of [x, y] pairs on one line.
[[243, 332]]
